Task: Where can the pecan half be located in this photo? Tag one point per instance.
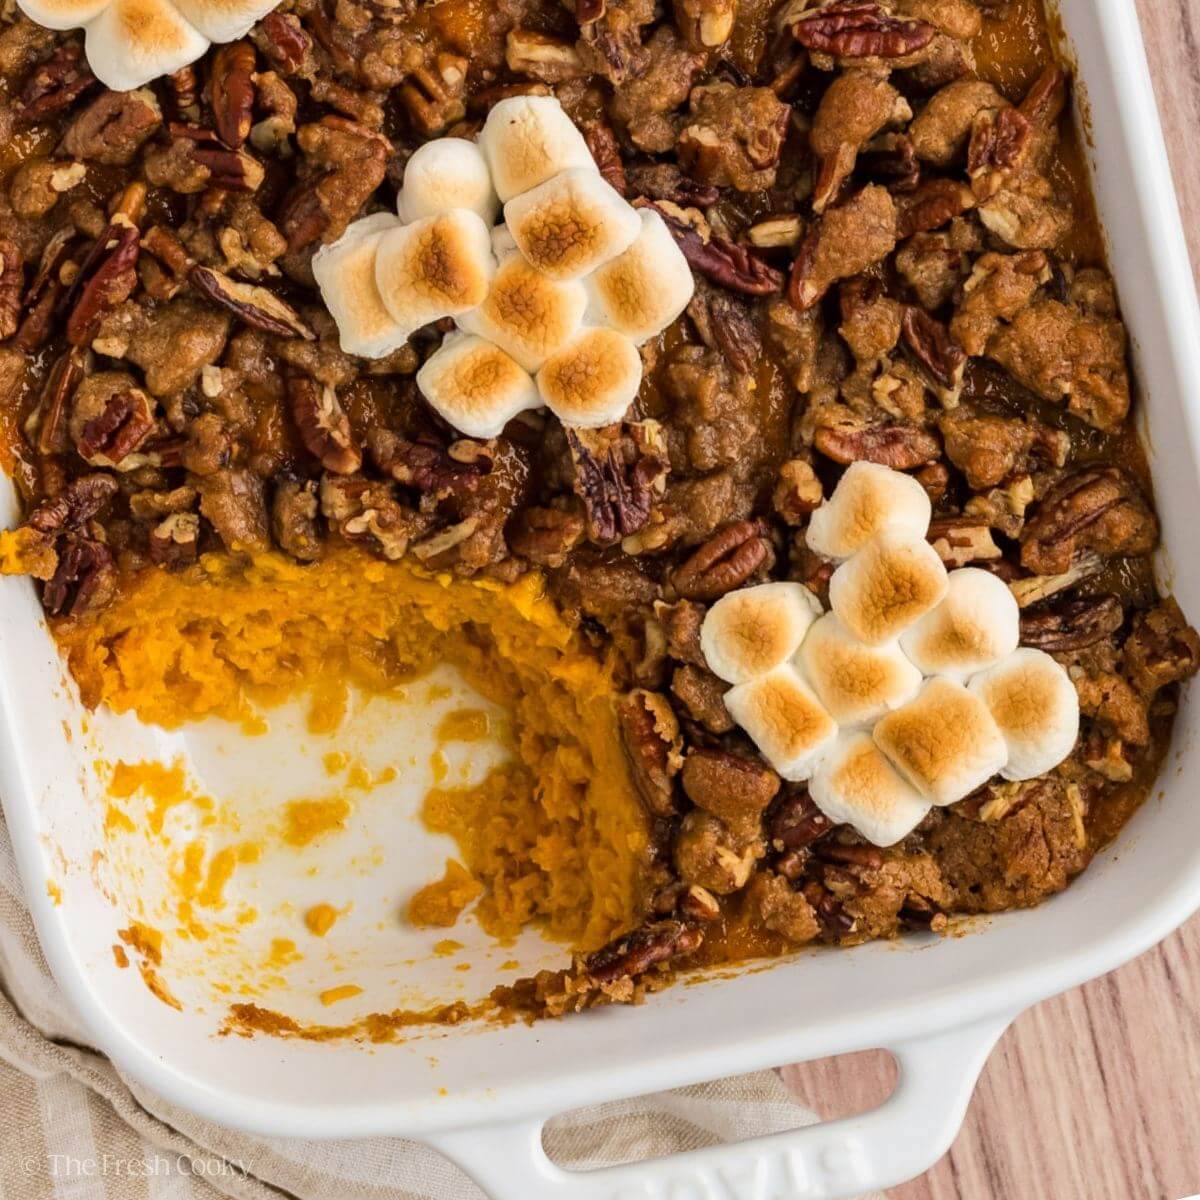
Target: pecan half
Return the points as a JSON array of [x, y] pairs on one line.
[[436, 471], [44, 297], [901, 447], [930, 343], [232, 92], [54, 85], [795, 823], [12, 282], [175, 540], [84, 579], [602, 142], [81, 500], [617, 494], [106, 278], [323, 425], [860, 29], [1073, 625], [650, 732], [725, 562], [1000, 139], [284, 41], [121, 427], [932, 205], [252, 305], [730, 265], [51, 412], [635, 953]]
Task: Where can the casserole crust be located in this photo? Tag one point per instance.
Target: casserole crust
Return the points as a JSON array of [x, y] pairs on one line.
[[896, 260]]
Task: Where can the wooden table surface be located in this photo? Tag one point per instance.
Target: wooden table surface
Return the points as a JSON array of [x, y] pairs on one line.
[[1094, 1095]]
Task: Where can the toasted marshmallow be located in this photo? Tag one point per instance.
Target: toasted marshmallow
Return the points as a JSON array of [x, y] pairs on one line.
[[640, 292], [62, 14], [345, 273], [133, 41], [855, 785], [976, 624], [223, 20], [945, 742], [592, 380], [1034, 703], [785, 719], [571, 224], [753, 630], [890, 583], [868, 500], [527, 140], [444, 174], [526, 314], [436, 267], [475, 386], [857, 683]]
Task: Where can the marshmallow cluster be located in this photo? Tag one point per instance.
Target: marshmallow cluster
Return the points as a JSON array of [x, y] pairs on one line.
[[130, 42], [911, 691], [550, 306]]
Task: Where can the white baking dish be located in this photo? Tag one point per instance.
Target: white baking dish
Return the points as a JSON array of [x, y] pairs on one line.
[[482, 1094]]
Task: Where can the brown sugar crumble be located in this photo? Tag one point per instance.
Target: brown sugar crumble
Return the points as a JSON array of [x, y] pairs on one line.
[[896, 259]]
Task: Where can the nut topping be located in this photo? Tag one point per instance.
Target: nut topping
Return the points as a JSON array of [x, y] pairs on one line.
[[324, 426], [252, 305], [726, 561], [233, 92], [860, 29]]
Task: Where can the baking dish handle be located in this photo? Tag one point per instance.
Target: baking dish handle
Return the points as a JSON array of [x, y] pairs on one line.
[[900, 1139]]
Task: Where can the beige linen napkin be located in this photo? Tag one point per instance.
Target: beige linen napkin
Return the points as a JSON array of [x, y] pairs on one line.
[[73, 1128]]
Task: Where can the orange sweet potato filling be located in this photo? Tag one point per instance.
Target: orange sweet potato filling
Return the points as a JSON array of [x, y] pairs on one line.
[[553, 835]]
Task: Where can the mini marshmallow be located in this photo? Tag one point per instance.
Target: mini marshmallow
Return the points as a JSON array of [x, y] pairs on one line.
[[571, 224], [436, 267], [593, 380], [976, 624], [223, 20], [527, 140], [475, 386], [857, 683], [444, 174], [1035, 705], [640, 292], [855, 785], [868, 500], [526, 314], [134, 41], [345, 273], [890, 583], [945, 742], [785, 719], [753, 630]]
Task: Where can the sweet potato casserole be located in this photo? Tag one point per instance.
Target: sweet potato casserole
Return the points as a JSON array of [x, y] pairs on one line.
[[772, 463]]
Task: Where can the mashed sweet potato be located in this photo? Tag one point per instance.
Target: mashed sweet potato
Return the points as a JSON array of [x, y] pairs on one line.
[[554, 835]]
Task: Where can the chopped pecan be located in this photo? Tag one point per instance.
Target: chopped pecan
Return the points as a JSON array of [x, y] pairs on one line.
[[797, 491], [892, 161], [233, 501], [1096, 508], [175, 540], [50, 283], [650, 732], [432, 95], [709, 854], [112, 129], [781, 232], [252, 305], [106, 277], [85, 578], [852, 29], [725, 562], [665, 181], [725, 324], [733, 136], [732, 266], [366, 511], [232, 92], [434, 470], [231, 170], [795, 823], [54, 85], [284, 41], [930, 343], [602, 142], [960, 541], [81, 500], [50, 415], [705, 24], [294, 509], [184, 85], [1072, 625], [12, 283], [165, 267], [635, 953], [1162, 648], [933, 204], [901, 447], [616, 493], [323, 425], [120, 427], [540, 56]]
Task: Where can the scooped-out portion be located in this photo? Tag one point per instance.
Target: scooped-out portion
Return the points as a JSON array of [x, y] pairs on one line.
[[554, 835]]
